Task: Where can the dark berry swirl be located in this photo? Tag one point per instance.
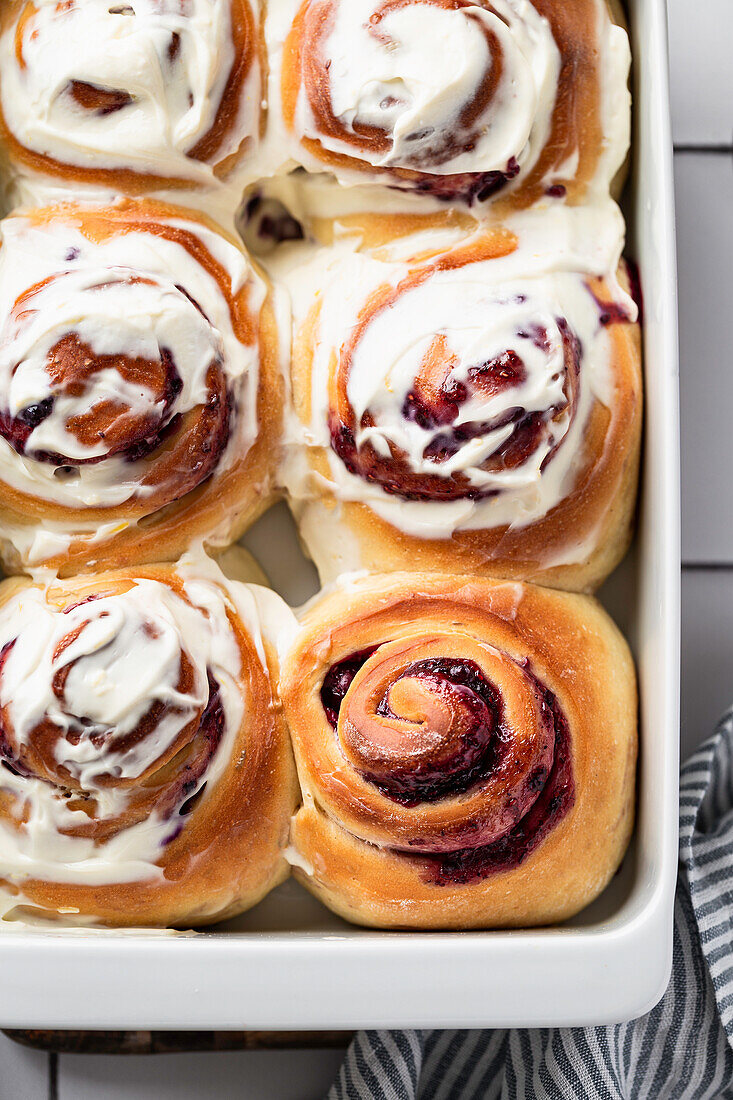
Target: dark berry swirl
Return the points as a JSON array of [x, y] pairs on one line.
[[119, 375], [452, 390], [460, 733], [465, 747]]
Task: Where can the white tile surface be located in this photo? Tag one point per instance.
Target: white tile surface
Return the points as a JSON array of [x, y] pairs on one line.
[[705, 248], [700, 36], [253, 1075], [707, 653], [23, 1072]]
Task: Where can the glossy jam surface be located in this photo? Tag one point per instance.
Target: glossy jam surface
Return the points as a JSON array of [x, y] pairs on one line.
[[211, 732], [549, 790], [338, 680], [71, 364], [471, 187], [556, 797], [465, 689]]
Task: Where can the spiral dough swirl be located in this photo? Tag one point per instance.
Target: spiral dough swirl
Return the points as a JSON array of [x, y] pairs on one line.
[[427, 720], [465, 750], [98, 700], [478, 395], [463, 393], [155, 88], [138, 382], [99, 371], [144, 775], [454, 95]]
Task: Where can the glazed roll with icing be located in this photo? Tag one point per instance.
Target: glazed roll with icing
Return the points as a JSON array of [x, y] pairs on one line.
[[146, 776], [140, 393], [461, 99], [466, 750], [475, 411], [134, 94]]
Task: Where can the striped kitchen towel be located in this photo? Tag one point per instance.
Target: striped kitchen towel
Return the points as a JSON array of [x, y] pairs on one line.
[[682, 1050]]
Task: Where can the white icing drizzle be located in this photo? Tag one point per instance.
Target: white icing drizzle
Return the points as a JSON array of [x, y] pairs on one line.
[[120, 670], [117, 669], [477, 322], [135, 294], [169, 60], [479, 310], [615, 98], [415, 73]]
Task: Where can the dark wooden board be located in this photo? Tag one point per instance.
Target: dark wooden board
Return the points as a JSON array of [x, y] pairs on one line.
[[175, 1042]]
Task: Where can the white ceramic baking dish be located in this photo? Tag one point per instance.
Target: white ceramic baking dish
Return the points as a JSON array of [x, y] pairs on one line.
[[291, 965]]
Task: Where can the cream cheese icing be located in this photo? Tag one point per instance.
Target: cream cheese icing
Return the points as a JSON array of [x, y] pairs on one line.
[[413, 70], [416, 72], [133, 295], [125, 658], [479, 310], [163, 67]]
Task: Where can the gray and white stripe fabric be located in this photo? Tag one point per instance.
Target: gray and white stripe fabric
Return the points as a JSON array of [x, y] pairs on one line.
[[682, 1050]]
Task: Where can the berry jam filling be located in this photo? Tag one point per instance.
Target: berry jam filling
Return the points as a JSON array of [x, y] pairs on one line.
[[270, 222], [338, 680], [435, 406], [431, 407], [612, 313], [70, 365], [211, 730], [481, 752], [480, 746], [556, 797], [471, 187]]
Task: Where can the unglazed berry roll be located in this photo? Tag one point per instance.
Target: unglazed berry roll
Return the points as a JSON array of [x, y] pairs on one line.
[[466, 750], [146, 776], [475, 411], [461, 99], [140, 386], [133, 95]]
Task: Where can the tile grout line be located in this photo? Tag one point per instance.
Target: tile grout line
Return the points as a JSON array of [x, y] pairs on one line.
[[53, 1076], [710, 150], [707, 566]]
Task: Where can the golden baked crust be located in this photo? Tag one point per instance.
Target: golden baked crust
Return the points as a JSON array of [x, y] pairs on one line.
[[363, 846], [582, 535], [185, 490], [575, 134], [246, 38], [222, 850]]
